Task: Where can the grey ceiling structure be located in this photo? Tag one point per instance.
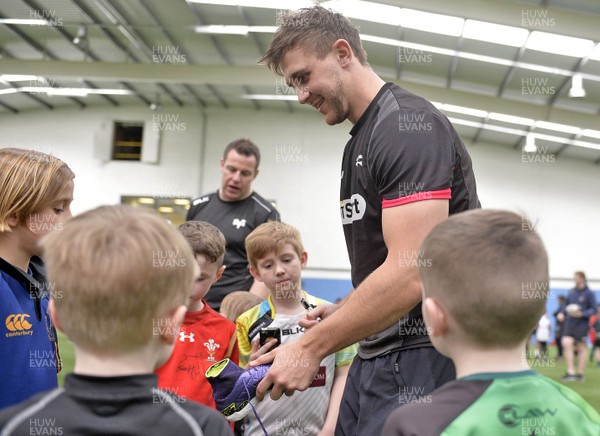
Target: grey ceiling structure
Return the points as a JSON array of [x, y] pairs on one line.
[[150, 50]]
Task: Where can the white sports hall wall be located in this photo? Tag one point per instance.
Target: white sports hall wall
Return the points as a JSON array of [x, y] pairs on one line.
[[300, 170]]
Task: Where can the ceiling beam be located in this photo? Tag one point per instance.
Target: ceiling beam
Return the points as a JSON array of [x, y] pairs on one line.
[[147, 73], [219, 75]]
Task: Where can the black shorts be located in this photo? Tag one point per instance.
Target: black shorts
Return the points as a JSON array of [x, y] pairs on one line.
[[577, 331], [375, 387]]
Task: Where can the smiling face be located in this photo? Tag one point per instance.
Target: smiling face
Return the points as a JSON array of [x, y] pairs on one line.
[[318, 82], [281, 271], [238, 172]]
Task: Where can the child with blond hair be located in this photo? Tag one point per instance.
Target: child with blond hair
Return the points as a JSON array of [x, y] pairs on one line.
[[122, 310], [36, 196]]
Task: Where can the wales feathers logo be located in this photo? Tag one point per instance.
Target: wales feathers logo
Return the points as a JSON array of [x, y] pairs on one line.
[[211, 347]]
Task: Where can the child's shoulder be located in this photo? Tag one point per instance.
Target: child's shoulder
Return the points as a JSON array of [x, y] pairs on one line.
[[255, 312], [213, 317]]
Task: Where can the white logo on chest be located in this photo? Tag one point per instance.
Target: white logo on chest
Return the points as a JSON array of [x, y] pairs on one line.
[[183, 337], [239, 223]]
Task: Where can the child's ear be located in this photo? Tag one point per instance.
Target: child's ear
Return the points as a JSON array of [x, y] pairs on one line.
[[255, 273], [219, 273], [436, 317], [303, 260], [172, 323], [53, 316], [12, 220]]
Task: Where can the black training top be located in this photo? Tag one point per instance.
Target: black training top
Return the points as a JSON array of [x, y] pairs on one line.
[[402, 150], [130, 405]]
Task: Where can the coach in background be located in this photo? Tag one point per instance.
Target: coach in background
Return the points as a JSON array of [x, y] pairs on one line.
[[236, 210], [580, 305]]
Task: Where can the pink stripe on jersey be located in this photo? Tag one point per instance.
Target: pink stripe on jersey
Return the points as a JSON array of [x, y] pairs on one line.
[[442, 194]]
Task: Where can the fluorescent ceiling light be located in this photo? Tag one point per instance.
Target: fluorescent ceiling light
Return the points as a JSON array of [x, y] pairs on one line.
[[145, 200], [262, 29], [269, 97], [395, 16], [465, 110], [591, 133], [559, 44], [181, 202], [224, 29], [595, 54], [435, 23], [411, 45], [511, 119], [495, 33], [475, 57], [516, 132], [267, 4], [18, 77], [9, 91], [367, 11], [564, 141], [66, 92], [563, 128], [74, 92], [25, 21], [107, 91], [480, 125]]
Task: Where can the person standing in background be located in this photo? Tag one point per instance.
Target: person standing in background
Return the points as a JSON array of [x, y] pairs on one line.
[[542, 336], [559, 325], [236, 210], [579, 307]]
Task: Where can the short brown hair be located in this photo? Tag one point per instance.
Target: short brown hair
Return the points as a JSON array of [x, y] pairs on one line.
[[314, 29], [31, 181], [119, 269], [481, 262], [205, 239], [581, 274], [244, 147], [237, 302], [271, 236]]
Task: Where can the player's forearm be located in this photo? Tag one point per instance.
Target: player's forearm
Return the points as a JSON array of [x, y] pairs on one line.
[[381, 300]]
